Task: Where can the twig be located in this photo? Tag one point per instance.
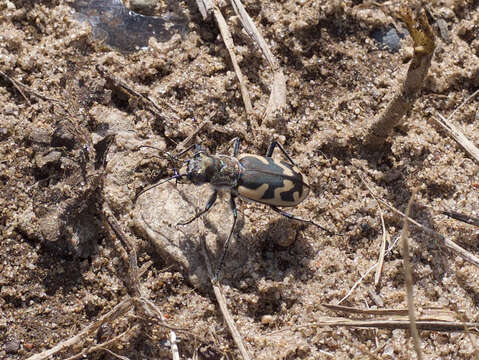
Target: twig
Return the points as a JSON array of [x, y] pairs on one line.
[[228, 40], [144, 267], [424, 45], [205, 7], [120, 309], [329, 355], [434, 325], [174, 346], [409, 281], [238, 339], [378, 263], [461, 217], [120, 83], [382, 251], [352, 310], [277, 98], [189, 139], [140, 300], [153, 313], [357, 283], [449, 244], [19, 86], [462, 104], [457, 135], [102, 346], [116, 232], [253, 32]]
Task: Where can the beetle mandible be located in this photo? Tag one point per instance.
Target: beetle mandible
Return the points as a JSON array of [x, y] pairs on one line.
[[257, 178]]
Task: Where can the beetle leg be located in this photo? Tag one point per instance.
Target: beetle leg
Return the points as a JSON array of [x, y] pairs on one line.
[[236, 146], [271, 148], [208, 206], [225, 247], [291, 216]]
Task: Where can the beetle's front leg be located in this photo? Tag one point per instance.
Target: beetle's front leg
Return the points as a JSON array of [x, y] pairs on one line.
[[236, 145], [209, 204]]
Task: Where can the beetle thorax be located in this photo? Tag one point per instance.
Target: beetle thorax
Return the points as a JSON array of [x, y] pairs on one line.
[[220, 171]]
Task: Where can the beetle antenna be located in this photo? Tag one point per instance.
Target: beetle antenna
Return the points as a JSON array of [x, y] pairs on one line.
[[167, 154], [148, 188]]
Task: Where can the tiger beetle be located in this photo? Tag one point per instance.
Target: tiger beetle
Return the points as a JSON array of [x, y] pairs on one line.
[[257, 178]]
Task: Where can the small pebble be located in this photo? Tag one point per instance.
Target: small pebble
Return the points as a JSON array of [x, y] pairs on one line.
[[145, 7], [12, 346], [267, 319], [388, 39]]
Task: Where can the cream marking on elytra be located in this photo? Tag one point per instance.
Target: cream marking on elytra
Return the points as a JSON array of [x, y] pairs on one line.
[[288, 186], [254, 193], [260, 158]]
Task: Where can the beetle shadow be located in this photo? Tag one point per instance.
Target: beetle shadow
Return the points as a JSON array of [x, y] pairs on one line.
[[247, 250], [181, 245], [258, 265], [279, 250]]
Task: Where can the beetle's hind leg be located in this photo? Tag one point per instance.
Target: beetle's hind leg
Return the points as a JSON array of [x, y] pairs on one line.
[[208, 206], [271, 148], [291, 216]]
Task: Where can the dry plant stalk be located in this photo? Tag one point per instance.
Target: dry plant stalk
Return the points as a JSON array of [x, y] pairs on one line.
[[136, 301], [392, 324], [436, 319], [449, 244], [409, 281], [105, 345], [277, 97], [471, 220], [21, 87], [207, 7], [228, 40], [457, 135], [119, 310], [424, 45], [382, 251], [117, 82]]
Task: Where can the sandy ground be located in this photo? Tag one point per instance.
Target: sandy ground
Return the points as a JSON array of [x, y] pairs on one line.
[[58, 269]]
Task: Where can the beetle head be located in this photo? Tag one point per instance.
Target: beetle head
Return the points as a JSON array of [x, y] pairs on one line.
[[201, 168]]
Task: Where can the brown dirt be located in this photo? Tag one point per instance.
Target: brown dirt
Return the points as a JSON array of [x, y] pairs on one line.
[[59, 271]]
